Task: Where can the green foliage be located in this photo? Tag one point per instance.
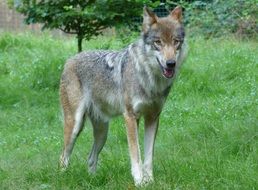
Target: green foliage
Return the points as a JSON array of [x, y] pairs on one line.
[[208, 135], [84, 18], [220, 17], [87, 19], [215, 18]]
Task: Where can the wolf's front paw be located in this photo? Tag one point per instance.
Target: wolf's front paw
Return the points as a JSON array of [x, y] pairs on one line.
[[147, 178], [139, 182], [147, 175], [137, 176], [143, 180]]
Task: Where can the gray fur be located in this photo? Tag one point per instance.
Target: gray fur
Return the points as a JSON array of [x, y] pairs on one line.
[[133, 82], [118, 74]]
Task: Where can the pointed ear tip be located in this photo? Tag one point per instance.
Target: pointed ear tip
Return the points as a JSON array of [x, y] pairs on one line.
[[145, 9], [178, 7], [176, 13], [148, 11]]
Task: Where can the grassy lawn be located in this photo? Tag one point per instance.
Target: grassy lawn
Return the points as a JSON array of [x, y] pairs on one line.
[[208, 135]]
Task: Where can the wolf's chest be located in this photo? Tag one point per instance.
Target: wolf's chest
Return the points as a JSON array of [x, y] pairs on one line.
[[142, 105]]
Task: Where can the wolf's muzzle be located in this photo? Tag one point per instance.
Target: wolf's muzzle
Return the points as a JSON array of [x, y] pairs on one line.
[[167, 71], [171, 63]]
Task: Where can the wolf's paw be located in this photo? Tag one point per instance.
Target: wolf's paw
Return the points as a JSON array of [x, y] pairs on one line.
[[92, 166], [138, 178], [92, 170], [144, 181], [63, 163], [147, 179], [62, 167]]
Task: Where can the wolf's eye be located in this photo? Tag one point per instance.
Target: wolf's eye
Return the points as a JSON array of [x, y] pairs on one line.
[[176, 42], [158, 42]]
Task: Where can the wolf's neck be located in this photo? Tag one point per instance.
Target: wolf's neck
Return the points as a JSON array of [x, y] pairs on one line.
[[150, 78]]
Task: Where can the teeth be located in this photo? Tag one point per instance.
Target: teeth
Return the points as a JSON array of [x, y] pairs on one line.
[[168, 73]]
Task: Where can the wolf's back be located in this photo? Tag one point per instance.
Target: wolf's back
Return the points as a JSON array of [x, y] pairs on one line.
[[100, 77]]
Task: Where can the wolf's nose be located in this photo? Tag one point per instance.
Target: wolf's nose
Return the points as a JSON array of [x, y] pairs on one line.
[[171, 63]]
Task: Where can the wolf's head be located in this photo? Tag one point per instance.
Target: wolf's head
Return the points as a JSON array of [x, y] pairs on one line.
[[164, 38]]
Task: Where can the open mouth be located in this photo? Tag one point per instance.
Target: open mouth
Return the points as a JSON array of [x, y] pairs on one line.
[[167, 72]]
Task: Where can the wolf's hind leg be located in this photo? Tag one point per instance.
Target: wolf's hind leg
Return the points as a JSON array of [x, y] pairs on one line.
[[74, 112], [72, 129], [100, 131]]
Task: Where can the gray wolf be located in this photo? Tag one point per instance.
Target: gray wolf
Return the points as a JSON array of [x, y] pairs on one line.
[[133, 82]]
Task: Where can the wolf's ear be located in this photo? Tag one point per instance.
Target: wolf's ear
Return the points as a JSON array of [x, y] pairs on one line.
[[176, 14], [149, 18]]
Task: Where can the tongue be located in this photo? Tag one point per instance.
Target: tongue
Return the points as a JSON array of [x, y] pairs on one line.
[[168, 73]]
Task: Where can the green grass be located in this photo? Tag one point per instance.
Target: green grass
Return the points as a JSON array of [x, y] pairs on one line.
[[208, 135]]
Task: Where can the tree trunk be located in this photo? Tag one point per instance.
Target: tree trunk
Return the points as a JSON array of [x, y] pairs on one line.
[[79, 40]]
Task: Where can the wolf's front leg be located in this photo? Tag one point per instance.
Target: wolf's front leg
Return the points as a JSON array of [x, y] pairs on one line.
[[134, 149], [151, 127]]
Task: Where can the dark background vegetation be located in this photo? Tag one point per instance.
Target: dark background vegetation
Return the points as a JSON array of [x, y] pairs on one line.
[[215, 18]]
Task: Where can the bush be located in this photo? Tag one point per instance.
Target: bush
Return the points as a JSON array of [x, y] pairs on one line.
[[220, 17], [211, 18]]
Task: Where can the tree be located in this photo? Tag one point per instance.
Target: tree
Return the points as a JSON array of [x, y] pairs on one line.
[[84, 18]]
